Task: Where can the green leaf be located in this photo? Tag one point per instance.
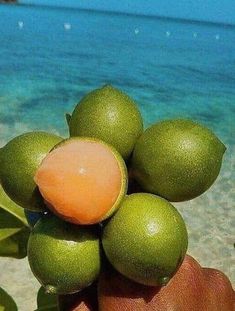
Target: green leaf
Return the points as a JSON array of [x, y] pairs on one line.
[[47, 302], [11, 207], [6, 233], [16, 245], [14, 229], [9, 224], [68, 118], [6, 302]]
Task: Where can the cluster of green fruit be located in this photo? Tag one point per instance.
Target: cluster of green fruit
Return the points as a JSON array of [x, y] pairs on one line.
[[82, 183]]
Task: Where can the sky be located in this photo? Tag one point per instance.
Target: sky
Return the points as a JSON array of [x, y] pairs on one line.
[[208, 10]]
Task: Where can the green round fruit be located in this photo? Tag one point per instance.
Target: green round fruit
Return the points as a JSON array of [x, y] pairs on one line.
[[146, 240], [19, 160], [110, 115], [177, 159], [65, 258]]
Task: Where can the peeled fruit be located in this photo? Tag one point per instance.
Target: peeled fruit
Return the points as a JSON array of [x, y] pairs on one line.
[[19, 160], [146, 239], [110, 115], [65, 258], [177, 159], [192, 288], [82, 180]]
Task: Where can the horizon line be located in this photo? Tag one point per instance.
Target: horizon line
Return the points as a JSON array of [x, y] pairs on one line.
[[152, 16]]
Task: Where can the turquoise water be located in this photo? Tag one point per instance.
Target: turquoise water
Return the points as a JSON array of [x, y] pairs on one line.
[[171, 69]]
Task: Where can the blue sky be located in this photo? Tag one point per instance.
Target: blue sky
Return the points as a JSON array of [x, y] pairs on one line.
[[209, 10]]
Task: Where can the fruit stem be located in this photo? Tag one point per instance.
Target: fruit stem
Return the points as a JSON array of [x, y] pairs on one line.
[[68, 118], [50, 289]]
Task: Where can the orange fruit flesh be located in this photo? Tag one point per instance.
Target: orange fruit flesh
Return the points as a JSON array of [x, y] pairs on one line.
[[80, 180]]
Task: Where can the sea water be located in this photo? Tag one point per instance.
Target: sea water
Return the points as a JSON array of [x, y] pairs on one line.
[[50, 57]]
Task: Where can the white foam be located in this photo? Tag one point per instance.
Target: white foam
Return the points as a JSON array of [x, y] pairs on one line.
[[20, 24], [67, 26]]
